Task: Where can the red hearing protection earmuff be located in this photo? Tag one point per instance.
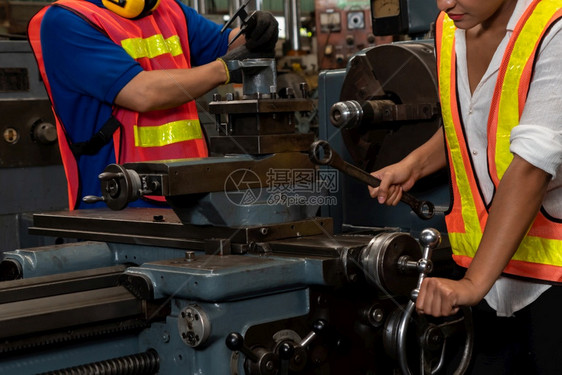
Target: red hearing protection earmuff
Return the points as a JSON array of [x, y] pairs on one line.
[[131, 8]]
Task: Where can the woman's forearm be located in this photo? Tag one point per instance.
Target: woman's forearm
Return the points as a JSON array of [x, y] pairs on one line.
[[515, 206], [429, 157]]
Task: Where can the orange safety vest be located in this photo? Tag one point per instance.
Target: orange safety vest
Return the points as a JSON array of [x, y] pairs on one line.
[[154, 42], [539, 255]]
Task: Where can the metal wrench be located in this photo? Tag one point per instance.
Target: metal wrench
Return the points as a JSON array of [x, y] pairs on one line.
[[424, 209]]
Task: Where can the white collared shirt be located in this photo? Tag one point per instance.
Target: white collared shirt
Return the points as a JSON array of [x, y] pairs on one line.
[[537, 138]]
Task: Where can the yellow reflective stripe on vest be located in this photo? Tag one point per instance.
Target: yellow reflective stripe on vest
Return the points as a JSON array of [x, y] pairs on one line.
[[539, 250], [173, 132], [465, 243], [473, 233], [152, 46], [508, 108]]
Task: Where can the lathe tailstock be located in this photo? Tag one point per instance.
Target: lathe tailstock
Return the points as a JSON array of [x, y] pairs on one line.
[[243, 275]]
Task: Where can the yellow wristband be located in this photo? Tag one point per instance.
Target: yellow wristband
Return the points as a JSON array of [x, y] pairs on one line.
[[226, 70]]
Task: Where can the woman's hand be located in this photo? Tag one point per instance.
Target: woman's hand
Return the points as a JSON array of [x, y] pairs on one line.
[[400, 177], [443, 297], [395, 179]]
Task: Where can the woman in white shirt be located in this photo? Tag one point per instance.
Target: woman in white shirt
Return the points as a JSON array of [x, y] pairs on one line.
[[501, 99]]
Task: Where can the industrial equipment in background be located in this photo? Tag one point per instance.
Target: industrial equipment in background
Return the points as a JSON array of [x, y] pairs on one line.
[[343, 28], [30, 166], [266, 263]]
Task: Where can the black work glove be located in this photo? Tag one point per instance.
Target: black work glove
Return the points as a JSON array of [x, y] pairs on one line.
[[238, 54], [262, 32]]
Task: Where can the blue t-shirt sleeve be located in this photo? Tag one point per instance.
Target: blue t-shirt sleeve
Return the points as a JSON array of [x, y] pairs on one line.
[[206, 42], [68, 44]]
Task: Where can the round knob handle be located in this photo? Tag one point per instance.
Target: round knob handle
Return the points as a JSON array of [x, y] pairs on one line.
[[235, 342], [286, 351], [319, 326], [44, 132], [430, 237]]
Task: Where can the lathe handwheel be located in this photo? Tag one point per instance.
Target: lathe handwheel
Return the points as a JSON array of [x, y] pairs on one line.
[[397, 330], [119, 186]]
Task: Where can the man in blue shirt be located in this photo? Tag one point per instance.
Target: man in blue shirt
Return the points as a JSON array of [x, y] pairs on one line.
[[92, 77]]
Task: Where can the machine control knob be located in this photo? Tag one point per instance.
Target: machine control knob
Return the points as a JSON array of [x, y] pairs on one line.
[[258, 362], [120, 186], [194, 326], [286, 351], [430, 238], [318, 327], [235, 342], [43, 132]]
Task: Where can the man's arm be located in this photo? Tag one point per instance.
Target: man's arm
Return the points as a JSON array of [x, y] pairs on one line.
[[162, 89]]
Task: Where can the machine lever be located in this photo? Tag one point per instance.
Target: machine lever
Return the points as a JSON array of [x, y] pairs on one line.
[[424, 209], [430, 239], [286, 351], [93, 199], [318, 327], [106, 176], [235, 342]]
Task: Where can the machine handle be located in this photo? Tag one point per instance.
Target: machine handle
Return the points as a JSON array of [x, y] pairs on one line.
[[431, 238], [235, 342], [286, 352], [92, 199]]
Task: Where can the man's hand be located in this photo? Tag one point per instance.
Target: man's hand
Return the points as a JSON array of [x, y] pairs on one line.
[[240, 53], [261, 32], [243, 53]]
